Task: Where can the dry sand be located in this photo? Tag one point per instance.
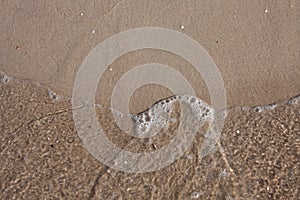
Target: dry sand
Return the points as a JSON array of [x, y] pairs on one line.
[[255, 44]]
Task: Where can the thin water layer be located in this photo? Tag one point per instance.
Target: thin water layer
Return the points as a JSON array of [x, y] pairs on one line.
[[158, 116], [42, 156], [170, 129]]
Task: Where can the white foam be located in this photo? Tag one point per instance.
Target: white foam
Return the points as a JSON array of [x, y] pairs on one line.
[[202, 110], [260, 109], [4, 78], [53, 95], [158, 116], [294, 100], [196, 195]]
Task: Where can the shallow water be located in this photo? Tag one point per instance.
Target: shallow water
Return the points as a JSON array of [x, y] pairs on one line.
[[42, 156]]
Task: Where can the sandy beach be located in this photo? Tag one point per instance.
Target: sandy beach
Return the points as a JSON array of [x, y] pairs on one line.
[[255, 46]]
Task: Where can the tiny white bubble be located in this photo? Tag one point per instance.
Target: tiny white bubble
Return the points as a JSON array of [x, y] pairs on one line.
[[53, 95], [81, 14], [228, 197], [110, 69], [195, 195], [182, 27], [224, 174], [4, 78]]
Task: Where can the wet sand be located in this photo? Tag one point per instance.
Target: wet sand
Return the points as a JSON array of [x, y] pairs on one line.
[[250, 42], [255, 46], [42, 156]]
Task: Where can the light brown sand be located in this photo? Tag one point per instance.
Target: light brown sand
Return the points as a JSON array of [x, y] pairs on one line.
[[255, 46], [42, 156], [251, 42]]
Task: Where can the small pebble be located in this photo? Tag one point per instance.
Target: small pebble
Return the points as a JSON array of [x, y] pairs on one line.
[[81, 14], [93, 31], [182, 27]]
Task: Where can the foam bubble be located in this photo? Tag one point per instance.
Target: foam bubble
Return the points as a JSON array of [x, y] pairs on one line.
[[271, 106], [202, 110], [53, 95], [195, 195], [245, 108], [294, 100], [260, 109], [158, 116], [4, 78]]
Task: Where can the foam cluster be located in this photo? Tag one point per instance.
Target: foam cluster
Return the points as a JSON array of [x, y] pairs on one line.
[[53, 95], [295, 100], [158, 116], [4, 78]]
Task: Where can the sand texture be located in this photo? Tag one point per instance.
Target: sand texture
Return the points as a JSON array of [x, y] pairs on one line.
[[255, 46]]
